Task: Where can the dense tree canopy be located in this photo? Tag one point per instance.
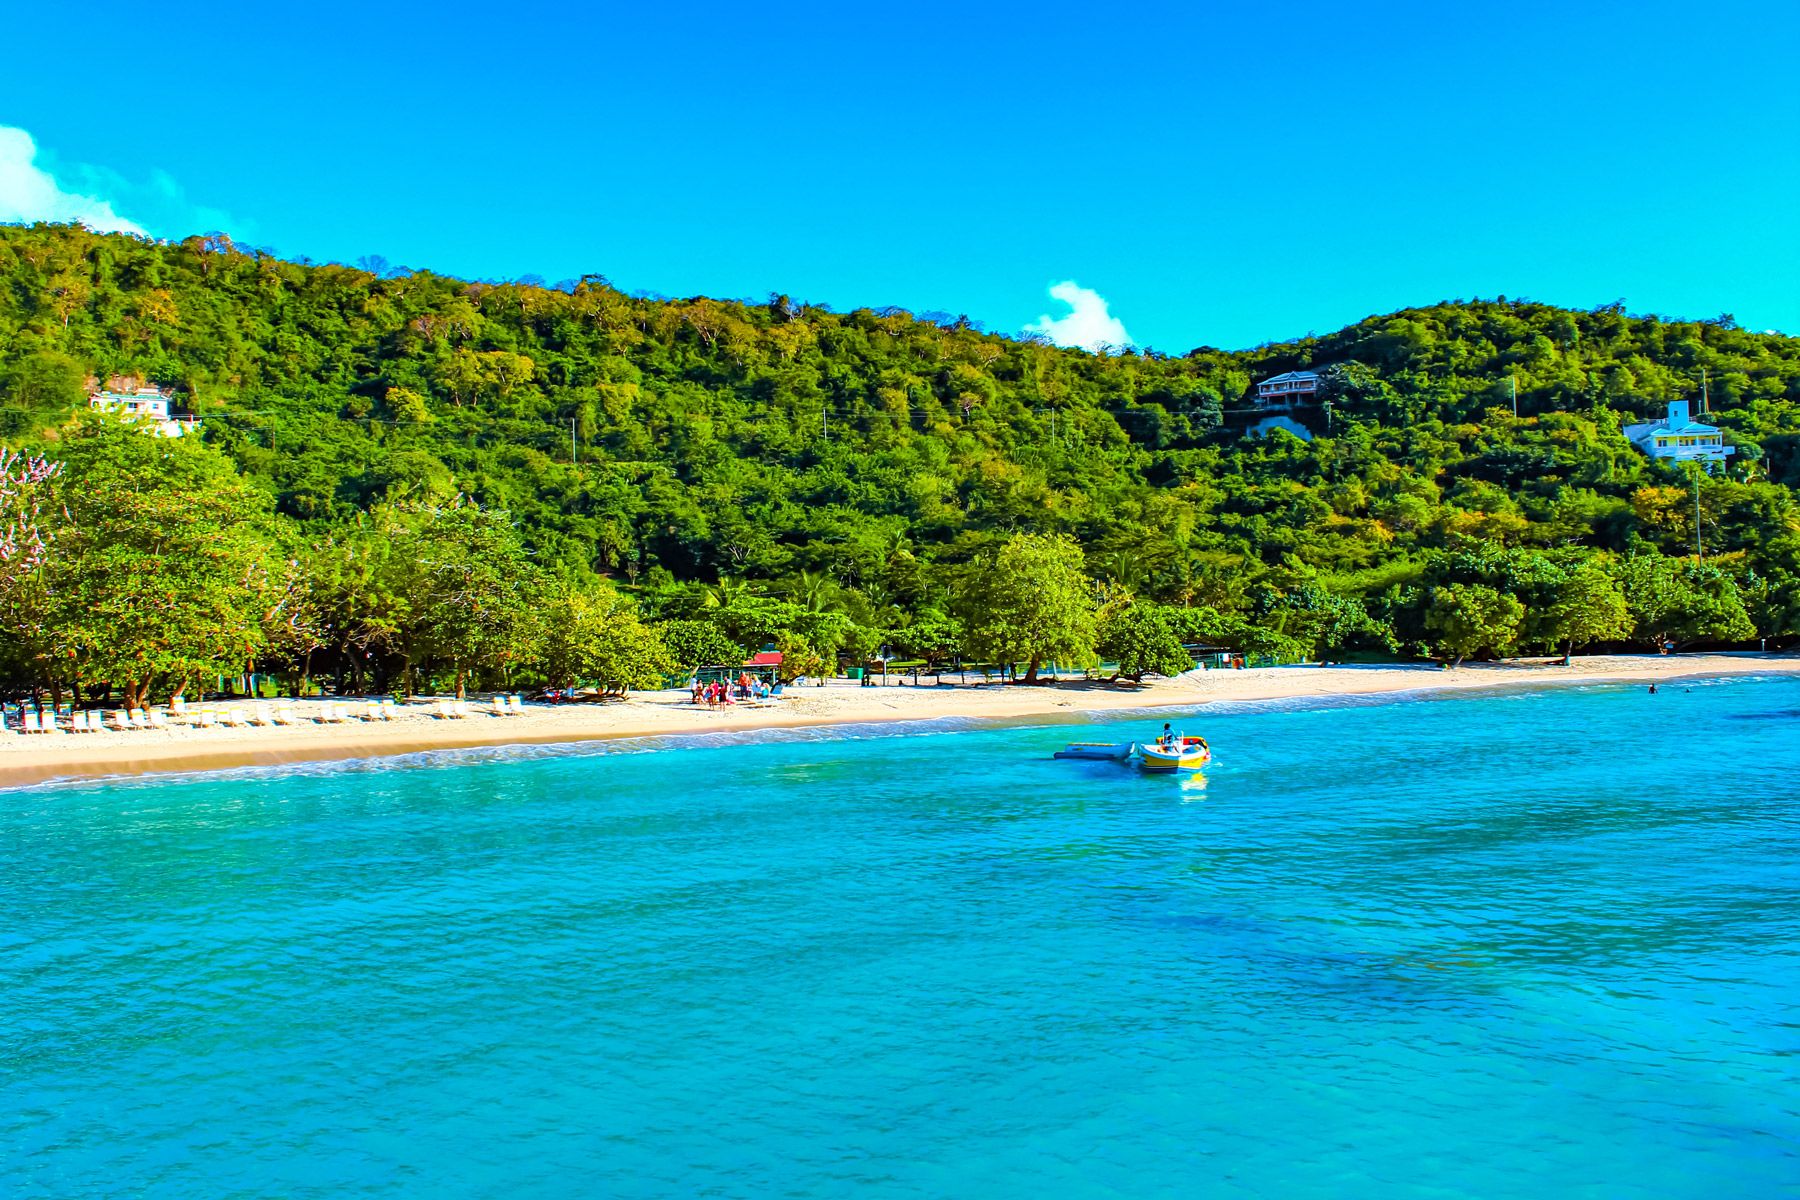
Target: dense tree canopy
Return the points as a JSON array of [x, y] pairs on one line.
[[774, 469]]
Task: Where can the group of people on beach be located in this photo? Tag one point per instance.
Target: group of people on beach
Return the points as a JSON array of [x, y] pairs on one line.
[[720, 693]]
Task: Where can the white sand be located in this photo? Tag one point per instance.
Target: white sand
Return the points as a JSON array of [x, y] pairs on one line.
[[29, 759]]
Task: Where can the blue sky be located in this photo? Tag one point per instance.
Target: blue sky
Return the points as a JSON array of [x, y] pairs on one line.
[[1215, 175]]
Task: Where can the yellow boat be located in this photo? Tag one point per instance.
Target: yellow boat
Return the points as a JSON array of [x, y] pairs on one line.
[[1185, 754]]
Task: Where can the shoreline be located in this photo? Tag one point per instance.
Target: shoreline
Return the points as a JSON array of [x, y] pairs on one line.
[[27, 760]]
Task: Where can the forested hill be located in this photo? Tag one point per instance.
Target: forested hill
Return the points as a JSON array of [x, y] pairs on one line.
[[657, 441]]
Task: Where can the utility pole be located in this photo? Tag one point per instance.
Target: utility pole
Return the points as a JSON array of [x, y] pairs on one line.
[[1705, 393], [1699, 553], [574, 455], [1515, 396]]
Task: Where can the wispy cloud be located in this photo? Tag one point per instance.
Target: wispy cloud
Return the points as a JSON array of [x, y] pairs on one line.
[[1087, 324], [37, 186], [29, 192]]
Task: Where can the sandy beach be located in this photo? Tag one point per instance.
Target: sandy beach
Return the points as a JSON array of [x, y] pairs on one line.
[[28, 759]]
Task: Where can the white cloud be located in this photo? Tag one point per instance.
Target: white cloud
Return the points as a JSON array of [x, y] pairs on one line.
[[29, 192], [1087, 324]]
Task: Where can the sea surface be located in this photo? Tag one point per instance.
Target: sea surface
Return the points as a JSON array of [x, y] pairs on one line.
[[1529, 945]]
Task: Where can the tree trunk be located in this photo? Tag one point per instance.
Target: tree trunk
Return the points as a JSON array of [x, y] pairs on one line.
[[1568, 651], [459, 683], [1031, 670]]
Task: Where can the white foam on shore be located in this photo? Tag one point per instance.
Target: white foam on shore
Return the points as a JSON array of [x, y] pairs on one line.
[[472, 756]]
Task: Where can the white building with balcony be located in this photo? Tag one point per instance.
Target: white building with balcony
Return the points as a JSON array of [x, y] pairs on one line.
[[1288, 389], [1678, 436], [147, 404]]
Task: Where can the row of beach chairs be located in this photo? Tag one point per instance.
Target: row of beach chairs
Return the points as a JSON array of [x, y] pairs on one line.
[[48, 720], [499, 706], [238, 716]]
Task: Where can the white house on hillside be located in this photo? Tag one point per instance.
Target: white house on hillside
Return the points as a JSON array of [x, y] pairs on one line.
[[1680, 437], [1288, 389], [1280, 395], [145, 404]]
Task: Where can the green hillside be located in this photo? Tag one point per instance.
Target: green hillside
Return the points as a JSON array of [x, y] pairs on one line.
[[872, 461]]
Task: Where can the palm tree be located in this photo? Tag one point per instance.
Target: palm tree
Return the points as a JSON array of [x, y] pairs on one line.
[[729, 591], [816, 592], [1124, 568]]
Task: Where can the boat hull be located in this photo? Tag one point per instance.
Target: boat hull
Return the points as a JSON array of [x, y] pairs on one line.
[[1191, 755]]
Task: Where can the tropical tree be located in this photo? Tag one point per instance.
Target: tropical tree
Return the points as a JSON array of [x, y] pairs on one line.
[[162, 567], [590, 634], [1141, 639], [1590, 607], [1467, 619], [1324, 621], [933, 636], [1033, 605], [695, 644], [478, 592], [1674, 602], [799, 659]]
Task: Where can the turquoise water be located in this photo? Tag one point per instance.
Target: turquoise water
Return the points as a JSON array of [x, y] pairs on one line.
[[1534, 945]]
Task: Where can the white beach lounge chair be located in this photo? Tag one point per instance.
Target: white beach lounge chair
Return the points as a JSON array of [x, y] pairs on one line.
[[515, 705], [157, 720], [389, 710], [138, 719], [264, 719], [32, 724], [178, 707], [121, 721], [499, 706]]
